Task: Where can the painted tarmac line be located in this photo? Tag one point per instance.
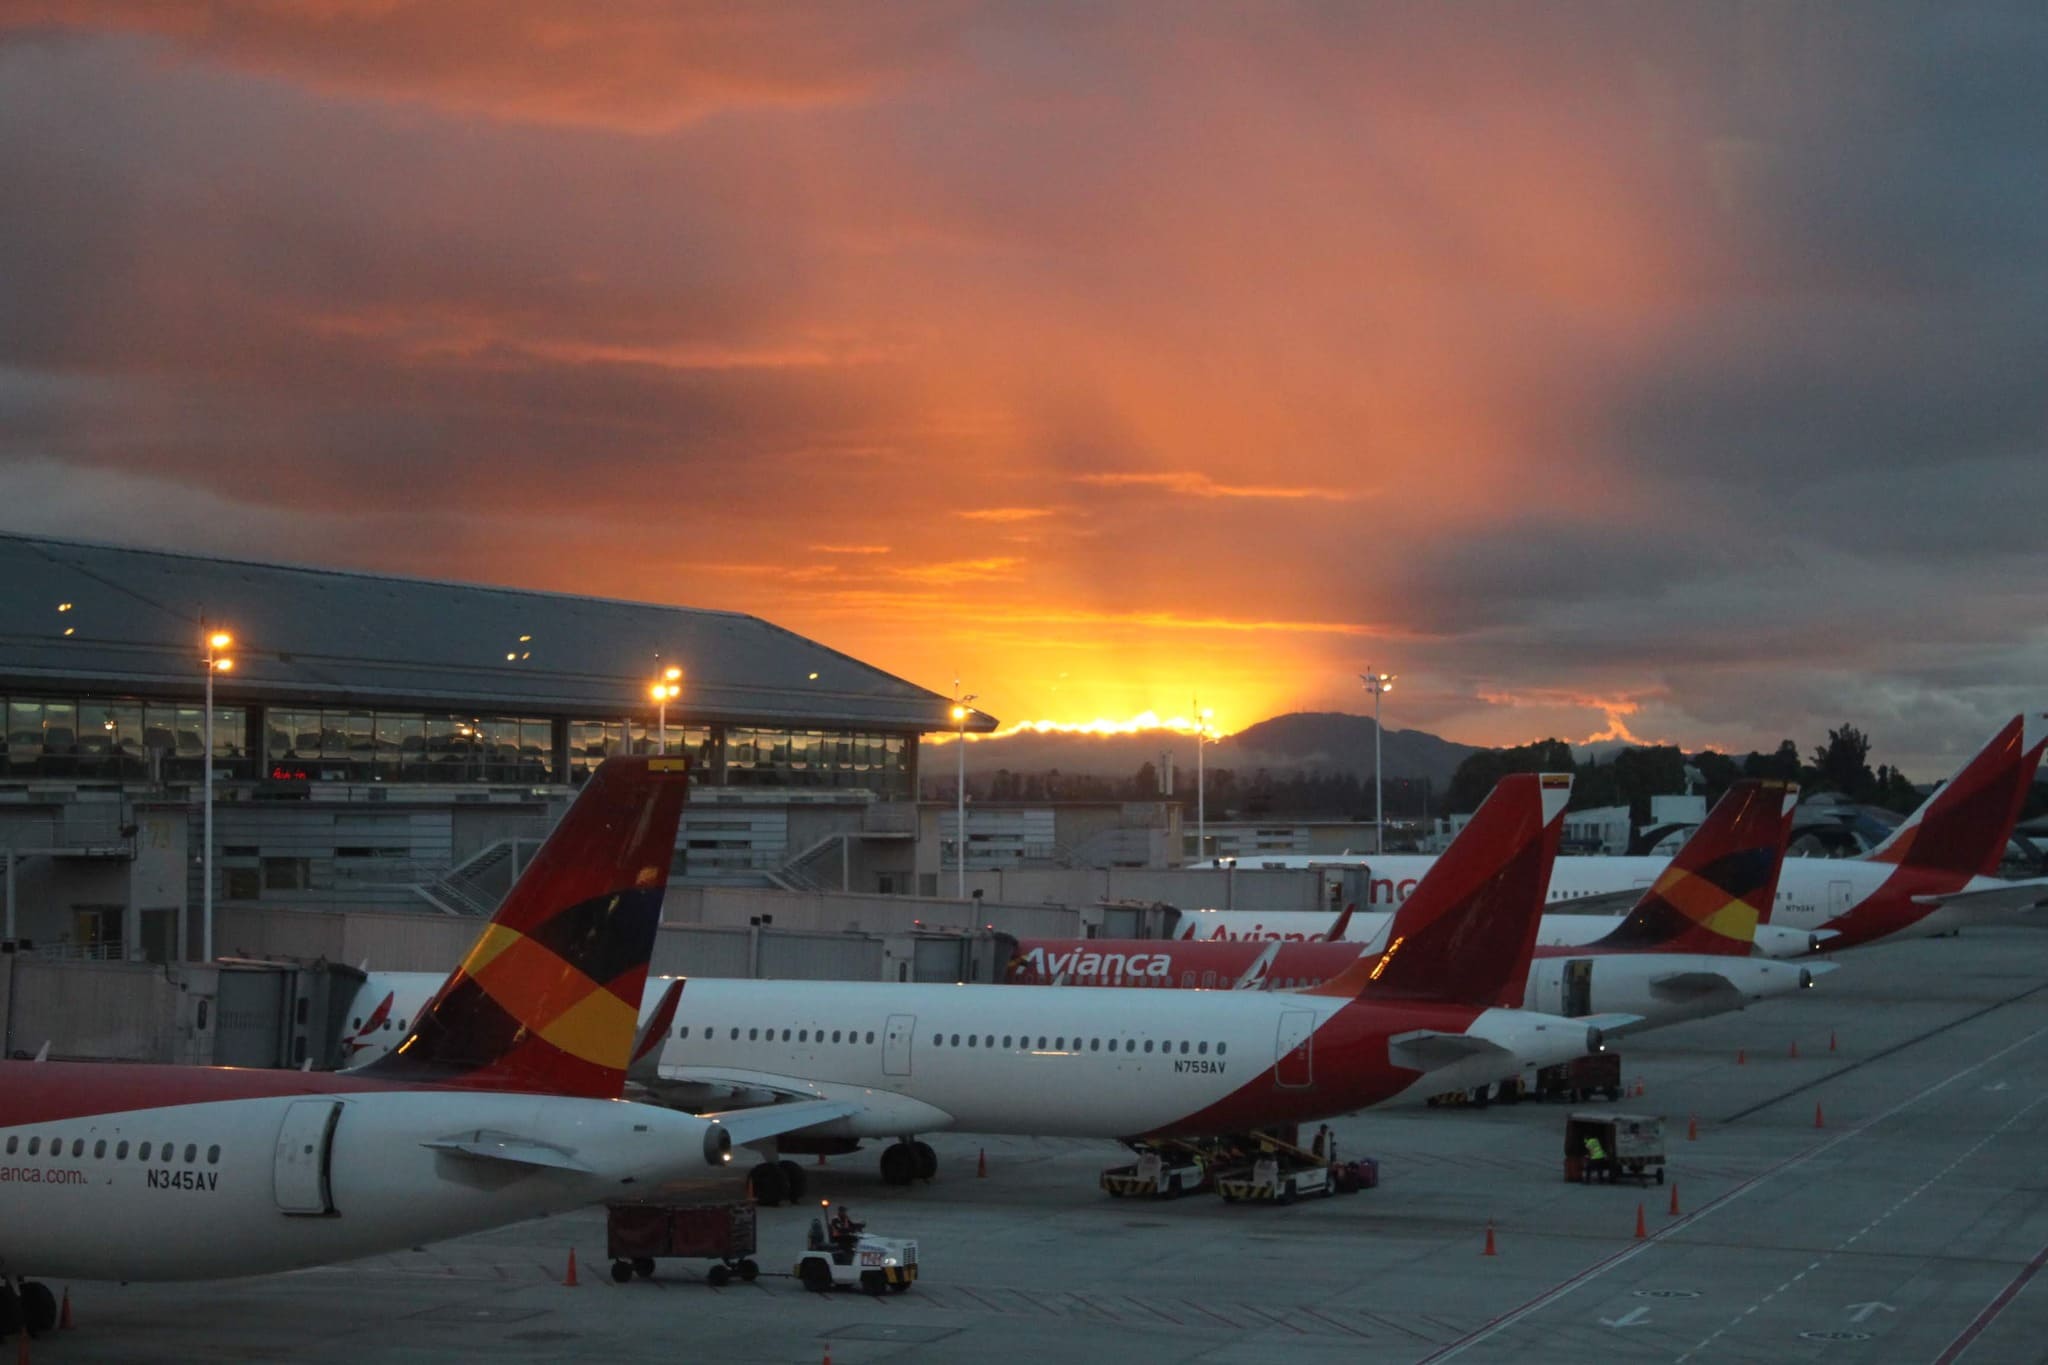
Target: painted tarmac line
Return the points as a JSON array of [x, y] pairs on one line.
[[1991, 1310], [1558, 1292]]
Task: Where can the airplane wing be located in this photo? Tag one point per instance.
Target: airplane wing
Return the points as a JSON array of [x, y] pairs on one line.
[[2012, 896], [512, 1151]]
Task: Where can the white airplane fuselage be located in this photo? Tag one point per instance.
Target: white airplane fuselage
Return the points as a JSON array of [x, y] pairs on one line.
[[1058, 1063], [254, 1184], [1857, 901]]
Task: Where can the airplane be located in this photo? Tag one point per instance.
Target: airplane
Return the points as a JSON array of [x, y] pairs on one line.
[[1933, 875], [1682, 952], [499, 1103], [1432, 1012]]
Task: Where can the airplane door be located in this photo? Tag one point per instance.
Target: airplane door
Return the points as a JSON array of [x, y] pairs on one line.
[[1578, 986], [1546, 986], [896, 1044], [1840, 896], [1293, 1049], [305, 1141]]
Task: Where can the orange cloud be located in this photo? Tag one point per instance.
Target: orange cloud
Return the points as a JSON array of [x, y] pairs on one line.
[[1191, 484], [1003, 513]]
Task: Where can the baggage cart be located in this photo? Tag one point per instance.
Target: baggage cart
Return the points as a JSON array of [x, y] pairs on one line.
[[1628, 1145], [1581, 1078], [637, 1235]]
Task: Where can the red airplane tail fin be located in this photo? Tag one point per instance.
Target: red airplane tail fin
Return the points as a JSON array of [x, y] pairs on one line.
[[1467, 931], [1962, 829], [1722, 883], [549, 998]]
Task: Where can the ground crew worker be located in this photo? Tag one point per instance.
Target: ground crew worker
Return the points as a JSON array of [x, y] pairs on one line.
[[1596, 1155], [1322, 1142]]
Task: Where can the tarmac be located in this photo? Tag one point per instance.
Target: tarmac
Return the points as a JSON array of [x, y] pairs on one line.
[[1880, 1196]]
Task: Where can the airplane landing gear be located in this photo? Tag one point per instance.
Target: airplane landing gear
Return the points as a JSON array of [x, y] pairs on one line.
[[908, 1160], [27, 1304], [769, 1184]]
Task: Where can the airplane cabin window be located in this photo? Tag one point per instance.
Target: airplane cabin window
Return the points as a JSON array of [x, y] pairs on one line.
[[955, 1042], [1095, 1045], [871, 1035], [1204, 1048], [989, 1041], [803, 1035], [1006, 1040], [120, 1151], [142, 1152], [1183, 1047], [970, 1040], [683, 1032], [835, 1035], [1059, 1044], [1148, 1043], [191, 1151], [938, 1040], [1041, 1042], [1219, 1048], [78, 1146], [213, 1155], [735, 1035], [356, 1025], [753, 1034], [99, 1149], [13, 1143]]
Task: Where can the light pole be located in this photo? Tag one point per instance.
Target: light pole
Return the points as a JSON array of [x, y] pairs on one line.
[[217, 661], [1379, 684], [960, 714], [664, 690], [1202, 715]]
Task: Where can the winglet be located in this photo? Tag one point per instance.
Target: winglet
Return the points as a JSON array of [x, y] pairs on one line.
[[1467, 931], [645, 1067], [1962, 829], [1723, 882], [548, 1000]]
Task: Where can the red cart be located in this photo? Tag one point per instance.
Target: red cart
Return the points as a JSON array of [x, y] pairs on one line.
[[637, 1235]]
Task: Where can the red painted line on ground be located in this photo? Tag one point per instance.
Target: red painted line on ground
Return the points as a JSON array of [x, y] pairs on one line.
[[1992, 1309]]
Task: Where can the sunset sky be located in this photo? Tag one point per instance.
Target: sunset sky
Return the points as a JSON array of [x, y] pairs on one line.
[[1609, 368]]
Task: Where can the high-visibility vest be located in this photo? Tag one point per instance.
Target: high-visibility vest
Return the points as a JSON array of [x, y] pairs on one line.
[[1594, 1151]]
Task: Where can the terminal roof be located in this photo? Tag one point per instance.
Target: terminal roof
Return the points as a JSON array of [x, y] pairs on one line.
[[113, 618]]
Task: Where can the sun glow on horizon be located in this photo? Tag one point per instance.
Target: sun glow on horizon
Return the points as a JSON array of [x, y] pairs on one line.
[[1145, 722]]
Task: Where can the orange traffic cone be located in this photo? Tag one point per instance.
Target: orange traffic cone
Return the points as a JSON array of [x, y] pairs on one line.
[[64, 1311], [1692, 1128], [1818, 1120], [1491, 1250], [828, 1353], [1831, 1040], [1641, 1229], [1795, 1047], [981, 1166], [1741, 1058], [569, 1280], [1674, 1199]]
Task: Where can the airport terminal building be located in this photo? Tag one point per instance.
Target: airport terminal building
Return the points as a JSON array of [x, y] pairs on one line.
[[402, 743]]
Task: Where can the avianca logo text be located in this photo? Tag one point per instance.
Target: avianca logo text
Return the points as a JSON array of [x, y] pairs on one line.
[[1077, 962], [1258, 933]]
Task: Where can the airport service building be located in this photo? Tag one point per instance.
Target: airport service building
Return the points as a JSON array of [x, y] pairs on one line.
[[385, 742]]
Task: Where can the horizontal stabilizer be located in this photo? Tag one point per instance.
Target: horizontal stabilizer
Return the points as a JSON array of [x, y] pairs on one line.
[[1432, 1049], [511, 1151], [2010, 897], [773, 1120], [1690, 985]]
